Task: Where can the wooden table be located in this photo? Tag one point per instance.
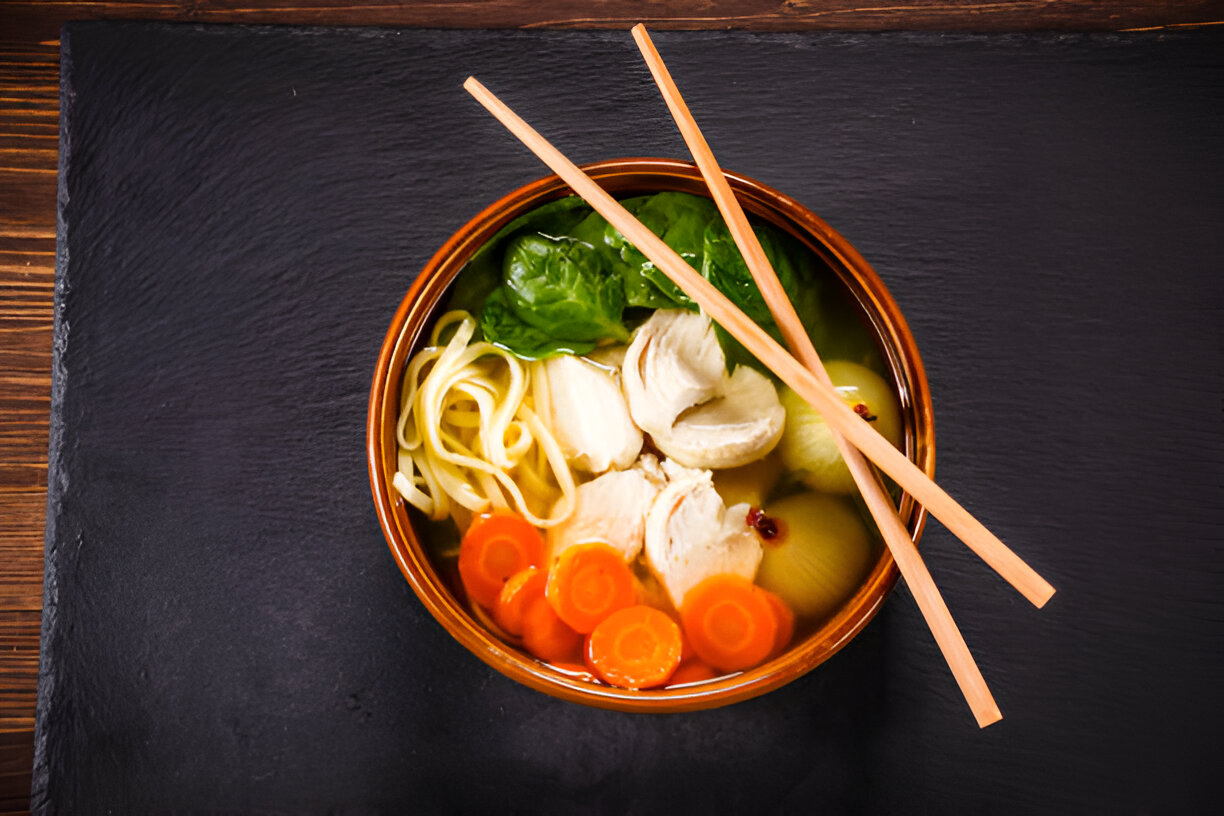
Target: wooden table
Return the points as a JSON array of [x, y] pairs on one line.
[[29, 107]]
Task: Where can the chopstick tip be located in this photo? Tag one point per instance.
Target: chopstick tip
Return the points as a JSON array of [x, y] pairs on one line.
[[988, 716]]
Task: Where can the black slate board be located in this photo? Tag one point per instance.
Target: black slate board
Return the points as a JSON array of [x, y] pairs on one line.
[[242, 209]]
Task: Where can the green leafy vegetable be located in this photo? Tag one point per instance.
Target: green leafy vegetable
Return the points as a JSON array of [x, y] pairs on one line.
[[555, 218], [483, 272], [595, 230], [502, 326], [562, 286], [723, 266], [680, 220], [560, 279], [795, 266]]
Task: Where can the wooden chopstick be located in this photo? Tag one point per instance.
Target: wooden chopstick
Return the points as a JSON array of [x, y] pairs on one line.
[[1028, 582], [825, 400], [905, 553]]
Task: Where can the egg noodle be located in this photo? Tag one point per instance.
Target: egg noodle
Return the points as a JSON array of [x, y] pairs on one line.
[[470, 432]]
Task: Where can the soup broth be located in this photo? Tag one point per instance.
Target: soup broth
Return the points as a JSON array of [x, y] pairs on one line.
[[605, 478]]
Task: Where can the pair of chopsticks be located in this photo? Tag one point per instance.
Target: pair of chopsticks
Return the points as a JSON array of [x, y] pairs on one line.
[[856, 440]]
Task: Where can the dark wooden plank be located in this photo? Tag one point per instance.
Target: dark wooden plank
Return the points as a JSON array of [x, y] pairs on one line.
[[29, 106], [42, 20]]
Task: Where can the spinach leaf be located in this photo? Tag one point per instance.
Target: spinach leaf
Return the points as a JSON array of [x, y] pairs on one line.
[[483, 271], [502, 327], [554, 218], [560, 278], [594, 230], [680, 219], [642, 291], [472, 286], [724, 266], [561, 286]]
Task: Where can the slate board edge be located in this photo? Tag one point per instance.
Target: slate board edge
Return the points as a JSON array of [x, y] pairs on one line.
[[40, 782]]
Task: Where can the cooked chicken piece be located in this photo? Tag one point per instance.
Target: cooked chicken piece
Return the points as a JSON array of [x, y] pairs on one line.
[[681, 395], [673, 363], [612, 356], [657, 472], [589, 416], [674, 471], [742, 425], [691, 535], [611, 509]]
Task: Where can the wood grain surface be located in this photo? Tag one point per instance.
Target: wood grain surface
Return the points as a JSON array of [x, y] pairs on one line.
[[29, 108]]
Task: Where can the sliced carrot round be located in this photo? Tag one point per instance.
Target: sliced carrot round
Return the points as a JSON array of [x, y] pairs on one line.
[[588, 583], [691, 671], [521, 589], [786, 622], [547, 637], [729, 622], [494, 549], [636, 647], [686, 652]]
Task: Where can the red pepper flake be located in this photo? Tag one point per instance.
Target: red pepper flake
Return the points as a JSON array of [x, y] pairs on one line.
[[766, 527], [862, 410]]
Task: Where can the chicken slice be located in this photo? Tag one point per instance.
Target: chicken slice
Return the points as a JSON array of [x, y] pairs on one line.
[[589, 416], [679, 392], [612, 356], [657, 472], [691, 535], [741, 425], [674, 471], [611, 509], [673, 363]]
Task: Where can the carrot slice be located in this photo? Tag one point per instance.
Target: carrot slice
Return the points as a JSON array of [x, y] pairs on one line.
[[521, 589], [686, 651], [786, 622], [729, 622], [588, 583], [635, 647], [547, 637], [691, 671], [494, 549]]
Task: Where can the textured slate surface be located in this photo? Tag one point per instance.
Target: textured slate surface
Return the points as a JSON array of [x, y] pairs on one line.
[[241, 211]]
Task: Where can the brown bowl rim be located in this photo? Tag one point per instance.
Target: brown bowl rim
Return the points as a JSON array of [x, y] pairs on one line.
[[617, 175]]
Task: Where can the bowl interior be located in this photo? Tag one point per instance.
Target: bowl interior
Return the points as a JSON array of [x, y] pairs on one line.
[[625, 177]]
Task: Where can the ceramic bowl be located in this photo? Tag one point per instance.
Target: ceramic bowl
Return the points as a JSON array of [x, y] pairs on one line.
[[623, 178]]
